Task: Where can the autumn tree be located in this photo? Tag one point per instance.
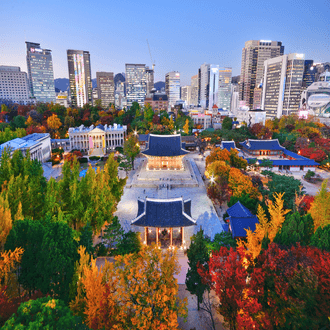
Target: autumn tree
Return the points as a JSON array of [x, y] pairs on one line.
[[171, 124], [136, 292], [197, 255], [5, 221], [320, 208], [218, 191], [131, 148], [226, 275], [186, 126], [53, 123], [266, 227]]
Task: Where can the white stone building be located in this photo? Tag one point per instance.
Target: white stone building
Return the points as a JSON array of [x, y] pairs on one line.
[[97, 140], [37, 143]]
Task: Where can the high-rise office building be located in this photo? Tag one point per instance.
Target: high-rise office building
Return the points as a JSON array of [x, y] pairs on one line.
[[225, 89], [105, 88], [282, 85], [14, 85], [40, 72], [80, 76], [254, 54], [172, 87], [309, 73], [213, 86], [136, 83], [150, 79], [204, 85], [186, 94], [194, 90]]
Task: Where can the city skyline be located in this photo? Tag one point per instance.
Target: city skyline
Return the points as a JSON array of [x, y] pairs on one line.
[[182, 47]]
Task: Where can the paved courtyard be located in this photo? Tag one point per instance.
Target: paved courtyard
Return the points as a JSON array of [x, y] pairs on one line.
[[169, 186]]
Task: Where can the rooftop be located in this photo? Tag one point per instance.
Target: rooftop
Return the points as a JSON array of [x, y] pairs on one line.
[[164, 213], [165, 145], [105, 128], [24, 142], [251, 144]]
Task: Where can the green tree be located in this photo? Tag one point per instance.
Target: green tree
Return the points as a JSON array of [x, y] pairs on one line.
[[222, 239], [28, 234], [129, 243], [295, 229], [197, 254], [4, 108], [113, 233], [86, 238], [244, 199], [284, 184], [44, 313], [148, 113], [125, 164], [131, 148], [18, 122], [227, 123], [321, 238]]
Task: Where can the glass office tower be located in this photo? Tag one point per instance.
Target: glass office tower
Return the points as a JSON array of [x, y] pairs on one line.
[[224, 93], [40, 72], [80, 76], [172, 87], [136, 83]]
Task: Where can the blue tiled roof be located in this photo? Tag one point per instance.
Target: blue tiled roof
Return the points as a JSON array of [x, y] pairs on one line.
[[262, 145], [228, 145], [293, 154], [289, 162], [164, 213], [143, 137], [240, 219], [164, 145]]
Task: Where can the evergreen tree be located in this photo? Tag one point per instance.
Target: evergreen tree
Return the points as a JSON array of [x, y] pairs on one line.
[[113, 233], [321, 238], [295, 228], [129, 243], [197, 255], [86, 238]]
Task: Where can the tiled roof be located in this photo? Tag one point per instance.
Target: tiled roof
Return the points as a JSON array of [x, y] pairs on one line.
[[165, 145], [143, 137], [262, 144], [24, 142], [240, 219], [228, 145], [164, 213]]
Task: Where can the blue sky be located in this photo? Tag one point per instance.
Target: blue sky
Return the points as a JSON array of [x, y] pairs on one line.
[[182, 34]]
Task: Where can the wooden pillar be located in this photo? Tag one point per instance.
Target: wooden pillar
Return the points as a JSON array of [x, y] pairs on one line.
[[182, 235], [171, 236], [156, 235], [146, 235]]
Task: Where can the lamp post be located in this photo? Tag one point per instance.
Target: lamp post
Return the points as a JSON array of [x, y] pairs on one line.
[[257, 163]]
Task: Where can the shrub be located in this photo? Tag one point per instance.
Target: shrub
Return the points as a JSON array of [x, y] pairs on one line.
[[82, 160], [94, 158], [100, 250], [309, 174]]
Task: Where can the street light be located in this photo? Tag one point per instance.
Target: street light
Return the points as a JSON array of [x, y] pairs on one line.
[[212, 179]]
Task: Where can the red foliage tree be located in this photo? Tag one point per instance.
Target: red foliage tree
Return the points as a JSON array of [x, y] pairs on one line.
[[306, 202], [106, 120], [155, 120], [313, 153], [218, 191], [35, 129], [227, 277]]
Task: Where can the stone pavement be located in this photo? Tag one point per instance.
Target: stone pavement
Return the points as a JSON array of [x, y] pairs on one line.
[[202, 209]]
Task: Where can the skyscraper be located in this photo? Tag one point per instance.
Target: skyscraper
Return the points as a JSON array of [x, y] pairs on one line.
[[194, 90], [172, 87], [186, 94], [224, 92], [14, 85], [105, 87], [136, 83], [80, 76], [213, 86], [204, 85], [40, 72], [254, 55], [150, 79], [282, 84]]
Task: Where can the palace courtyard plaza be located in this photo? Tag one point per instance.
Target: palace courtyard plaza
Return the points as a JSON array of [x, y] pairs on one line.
[[166, 184]]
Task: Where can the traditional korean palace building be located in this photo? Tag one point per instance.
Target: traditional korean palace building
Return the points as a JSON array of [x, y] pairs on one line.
[[38, 145], [164, 152], [281, 158], [163, 221], [97, 140], [240, 218]]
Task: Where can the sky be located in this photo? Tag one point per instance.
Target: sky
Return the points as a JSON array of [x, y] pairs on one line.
[[182, 34]]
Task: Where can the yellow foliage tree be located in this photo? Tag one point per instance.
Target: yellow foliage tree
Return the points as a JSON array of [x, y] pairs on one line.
[[138, 291], [54, 123], [320, 208], [186, 127], [265, 227], [171, 124], [5, 221], [29, 122], [241, 184], [217, 168], [218, 154]]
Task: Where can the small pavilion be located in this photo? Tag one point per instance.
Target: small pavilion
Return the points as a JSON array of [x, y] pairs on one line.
[[164, 221], [164, 152]]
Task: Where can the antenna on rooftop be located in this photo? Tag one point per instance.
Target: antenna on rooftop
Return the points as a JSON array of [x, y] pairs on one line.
[[153, 63]]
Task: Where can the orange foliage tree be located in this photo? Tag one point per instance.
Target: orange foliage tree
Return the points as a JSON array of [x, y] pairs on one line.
[[5, 221], [136, 292], [241, 184]]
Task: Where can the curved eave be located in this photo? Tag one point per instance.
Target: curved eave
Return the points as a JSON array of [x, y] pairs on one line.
[[182, 153]]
